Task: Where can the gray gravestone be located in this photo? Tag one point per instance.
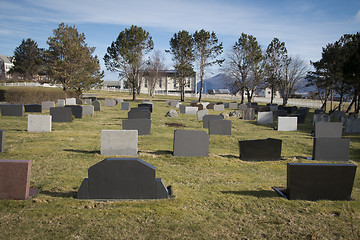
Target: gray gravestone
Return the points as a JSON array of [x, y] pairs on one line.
[[233, 105], [338, 114], [87, 110], [352, 125], [119, 142], [47, 105], [109, 102], [32, 108], [61, 114], [122, 178], [182, 108], [331, 149], [220, 127], [191, 110], [321, 117], [172, 113], [70, 101], [125, 106], [190, 143], [139, 113], [119, 100], [208, 118], [79, 101], [201, 113], [16, 110], [219, 107], [88, 101], [76, 110], [319, 181], [265, 118], [146, 105], [2, 140], [328, 129], [39, 123], [143, 126], [96, 104], [242, 107], [61, 102], [174, 103], [260, 150], [287, 123], [249, 114]]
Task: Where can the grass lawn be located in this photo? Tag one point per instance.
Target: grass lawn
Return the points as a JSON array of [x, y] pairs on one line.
[[215, 197]]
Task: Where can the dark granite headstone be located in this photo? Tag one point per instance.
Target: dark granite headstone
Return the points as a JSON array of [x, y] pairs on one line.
[[96, 104], [279, 113], [331, 149], [328, 129], [249, 114], [122, 178], [260, 150], [125, 106], [136, 113], [220, 127], [210, 106], [32, 107], [146, 105], [16, 110], [2, 140], [76, 110], [208, 118], [190, 143], [317, 181], [142, 125], [61, 114], [300, 117]]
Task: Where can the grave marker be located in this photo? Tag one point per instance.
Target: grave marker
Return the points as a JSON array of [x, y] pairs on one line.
[[16, 110], [2, 140], [39, 123], [61, 114], [268, 149], [328, 129], [287, 123], [47, 105], [220, 127], [331, 149], [208, 118], [143, 126], [32, 108], [119, 142], [265, 118], [125, 106], [190, 143]]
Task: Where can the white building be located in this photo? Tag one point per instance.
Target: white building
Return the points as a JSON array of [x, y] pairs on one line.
[[6, 63]]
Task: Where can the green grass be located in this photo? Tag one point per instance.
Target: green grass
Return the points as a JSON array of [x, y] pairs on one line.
[[215, 197]]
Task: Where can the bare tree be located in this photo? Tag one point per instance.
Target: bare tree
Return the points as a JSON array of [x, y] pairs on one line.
[[155, 66]]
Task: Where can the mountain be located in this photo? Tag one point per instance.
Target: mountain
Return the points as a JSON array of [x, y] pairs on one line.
[[216, 82]]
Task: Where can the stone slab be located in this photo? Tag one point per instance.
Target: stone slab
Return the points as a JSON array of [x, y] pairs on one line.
[[146, 105], [70, 101], [87, 110], [2, 140], [76, 110], [143, 126], [125, 106], [208, 118], [119, 142], [249, 113], [96, 104], [321, 117], [352, 125], [201, 113], [139, 113], [46, 105], [328, 129], [61, 102], [219, 107], [233, 105], [220, 127], [39, 123], [268, 149], [190, 143], [265, 117], [32, 108], [61, 114], [287, 123], [15, 110], [331, 149], [109, 102]]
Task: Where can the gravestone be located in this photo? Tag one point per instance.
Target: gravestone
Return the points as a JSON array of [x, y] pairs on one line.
[[39, 123], [320, 181], [279, 113], [182, 108], [301, 118], [87, 110], [32, 108], [174, 103], [235, 114], [328, 129], [242, 107], [47, 105], [273, 107], [109, 102], [172, 113], [352, 125], [15, 180], [265, 118], [88, 101], [76, 110], [321, 117], [119, 142], [119, 100], [70, 101], [201, 113], [289, 110], [220, 127], [210, 106], [233, 105], [139, 113], [61, 102], [61, 114], [208, 118], [16, 110], [190, 143], [125, 106], [338, 114], [287, 123], [2, 140], [143, 126], [96, 104], [79, 101], [331, 149], [318, 111], [191, 110], [219, 107], [146, 105], [204, 105], [122, 178], [268, 149], [249, 114]]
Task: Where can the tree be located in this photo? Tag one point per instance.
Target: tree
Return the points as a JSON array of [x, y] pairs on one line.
[[245, 65], [206, 48], [294, 72], [275, 57], [153, 70], [125, 55], [181, 47], [70, 61], [28, 59]]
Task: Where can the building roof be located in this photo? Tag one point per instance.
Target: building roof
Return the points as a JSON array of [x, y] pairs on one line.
[[6, 59]]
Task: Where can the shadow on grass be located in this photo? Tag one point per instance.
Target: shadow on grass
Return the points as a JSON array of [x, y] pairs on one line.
[[254, 193], [229, 156], [70, 194], [82, 151], [158, 152]]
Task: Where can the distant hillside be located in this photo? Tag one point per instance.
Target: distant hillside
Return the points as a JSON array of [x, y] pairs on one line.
[[216, 82]]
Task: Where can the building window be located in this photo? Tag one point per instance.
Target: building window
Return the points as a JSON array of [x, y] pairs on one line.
[[189, 81], [160, 82], [175, 83], [145, 83]]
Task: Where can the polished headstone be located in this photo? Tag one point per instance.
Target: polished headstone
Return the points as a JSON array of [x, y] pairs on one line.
[[125, 106], [352, 125], [268, 149], [190, 143], [265, 118], [233, 105], [61, 102], [135, 113], [220, 127], [143, 126], [87, 110], [146, 105], [331, 149], [208, 118], [287, 123], [109, 102], [70, 101], [119, 142], [328, 129], [61, 114], [219, 107], [96, 104], [32, 108], [76, 110], [47, 105], [2, 140], [16, 110]]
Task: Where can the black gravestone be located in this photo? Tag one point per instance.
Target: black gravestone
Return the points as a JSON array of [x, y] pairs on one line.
[[61, 114], [16, 110], [146, 105], [32, 107], [76, 111], [142, 125], [190, 143], [136, 113], [316, 181], [331, 149], [279, 113], [2, 140], [122, 178], [208, 118], [220, 127], [300, 118], [328, 129], [268, 149]]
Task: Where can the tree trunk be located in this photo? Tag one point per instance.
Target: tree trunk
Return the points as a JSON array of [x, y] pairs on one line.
[[272, 95], [242, 96], [201, 89], [285, 100], [351, 104], [134, 93]]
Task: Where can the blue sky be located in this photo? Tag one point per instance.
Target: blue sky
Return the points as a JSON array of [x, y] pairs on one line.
[[305, 26]]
